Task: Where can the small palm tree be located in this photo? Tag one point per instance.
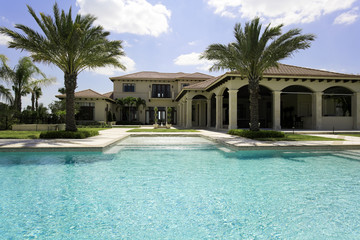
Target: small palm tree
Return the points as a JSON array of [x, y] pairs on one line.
[[36, 93], [253, 52], [140, 102], [73, 45], [5, 94], [21, 77], [130, 101]]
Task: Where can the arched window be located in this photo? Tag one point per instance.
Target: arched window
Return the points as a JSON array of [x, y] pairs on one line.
[[337, 102]]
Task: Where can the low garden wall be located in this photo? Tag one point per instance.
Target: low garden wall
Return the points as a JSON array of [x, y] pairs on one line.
[[38, 127]]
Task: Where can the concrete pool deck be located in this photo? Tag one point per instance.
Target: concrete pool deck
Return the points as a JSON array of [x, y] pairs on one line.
[[110, 136]]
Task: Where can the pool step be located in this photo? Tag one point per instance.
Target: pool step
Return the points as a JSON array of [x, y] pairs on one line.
[[113, 150], [224, 149], [354, 155]]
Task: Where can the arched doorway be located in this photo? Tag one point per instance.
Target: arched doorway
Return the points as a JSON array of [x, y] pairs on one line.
[[296, 107], [199, 111], [265, 107], [337, 102], [337, 112]]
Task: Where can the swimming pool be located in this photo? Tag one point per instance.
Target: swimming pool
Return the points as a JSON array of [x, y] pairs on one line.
[[180, 188]]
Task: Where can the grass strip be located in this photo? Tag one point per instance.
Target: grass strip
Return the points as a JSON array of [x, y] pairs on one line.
[[9, 134], [161, 130]]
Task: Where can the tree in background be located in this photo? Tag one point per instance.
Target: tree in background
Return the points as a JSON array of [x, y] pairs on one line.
[[21, 78], [36, 93], [253, 52], [73, 45], [129, 101], [138, 103]]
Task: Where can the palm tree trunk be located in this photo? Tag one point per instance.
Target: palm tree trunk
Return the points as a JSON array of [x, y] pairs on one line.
[[254, 104], [70, 85], [17, 102], [37, 103], [32, 101]]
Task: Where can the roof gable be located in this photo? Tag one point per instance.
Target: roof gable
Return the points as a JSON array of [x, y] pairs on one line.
[[88, 93]]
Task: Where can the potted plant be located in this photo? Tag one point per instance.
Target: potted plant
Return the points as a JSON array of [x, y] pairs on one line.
[[168, 121], [156, 125]]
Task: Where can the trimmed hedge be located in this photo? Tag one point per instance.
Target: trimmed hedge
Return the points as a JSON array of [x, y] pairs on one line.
[[256, 134], [68, 134]]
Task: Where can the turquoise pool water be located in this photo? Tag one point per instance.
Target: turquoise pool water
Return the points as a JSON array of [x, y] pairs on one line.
[[188, 189]]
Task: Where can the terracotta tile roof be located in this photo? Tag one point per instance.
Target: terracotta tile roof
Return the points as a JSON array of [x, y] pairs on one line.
[[109, 95], [88, 93], [282, 70], [161, 76], [203, 84], [196, 75], [289, 70]]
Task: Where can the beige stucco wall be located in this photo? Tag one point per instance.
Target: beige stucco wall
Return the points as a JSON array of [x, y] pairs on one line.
[[143, 90], [305, 102], [338, 123], [100, 107]]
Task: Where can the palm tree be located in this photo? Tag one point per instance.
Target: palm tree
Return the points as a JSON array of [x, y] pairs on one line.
[[21, 77], [139, 102], [73, 45], [36, 93], [121, 103], [252, 53], [5, 95], [129, 101]]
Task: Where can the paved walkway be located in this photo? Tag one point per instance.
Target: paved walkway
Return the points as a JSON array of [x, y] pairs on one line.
[[110, 136]]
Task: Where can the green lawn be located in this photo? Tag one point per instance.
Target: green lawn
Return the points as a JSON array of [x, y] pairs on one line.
[[9, 134], [161, 130], [299, 137]]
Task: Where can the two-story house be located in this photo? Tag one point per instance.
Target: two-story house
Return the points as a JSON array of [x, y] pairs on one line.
[[291, 97]]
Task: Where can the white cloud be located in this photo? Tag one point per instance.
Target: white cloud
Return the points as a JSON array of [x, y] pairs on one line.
[[126, 44], [128, 16], [193, 59], [279, 11], [348, 17], [4, 39], [110, 71]]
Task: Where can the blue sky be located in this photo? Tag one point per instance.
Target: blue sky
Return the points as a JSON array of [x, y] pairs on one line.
[[169, 35]]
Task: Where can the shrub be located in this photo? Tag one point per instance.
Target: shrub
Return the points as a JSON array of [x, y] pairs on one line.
[[68, 134], [256, 134], [109, 117]]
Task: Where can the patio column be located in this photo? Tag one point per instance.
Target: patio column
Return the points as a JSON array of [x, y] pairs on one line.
[[276, 98], [188, 113], [200, 114], [183, 114], [356, 109], [233, 108], [219, 112], [179, 114], [208, 123], [317, 110]]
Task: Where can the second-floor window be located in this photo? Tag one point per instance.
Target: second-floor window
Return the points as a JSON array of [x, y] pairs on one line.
[[184, 85], [161, 91], [129, 87]]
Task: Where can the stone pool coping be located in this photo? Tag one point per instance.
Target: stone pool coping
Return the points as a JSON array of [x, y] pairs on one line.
[[108, 137]]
